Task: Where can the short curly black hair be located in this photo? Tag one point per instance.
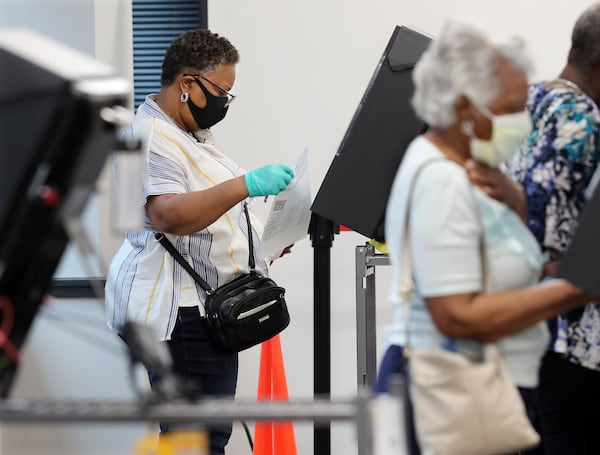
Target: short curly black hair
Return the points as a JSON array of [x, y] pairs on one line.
[[199, 49]]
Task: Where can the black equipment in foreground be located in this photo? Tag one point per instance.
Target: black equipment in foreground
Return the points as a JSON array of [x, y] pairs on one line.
[[53, 145]]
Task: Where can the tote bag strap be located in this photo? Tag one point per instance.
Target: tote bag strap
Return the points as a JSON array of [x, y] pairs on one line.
[[407, 285]]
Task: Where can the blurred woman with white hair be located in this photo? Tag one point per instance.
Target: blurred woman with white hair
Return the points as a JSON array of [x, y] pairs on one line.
[[472, 92]]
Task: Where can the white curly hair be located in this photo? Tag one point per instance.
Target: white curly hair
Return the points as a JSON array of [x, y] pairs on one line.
[[461, 61]]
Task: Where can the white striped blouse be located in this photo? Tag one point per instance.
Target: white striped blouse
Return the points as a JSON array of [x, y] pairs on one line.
[[144, 283]]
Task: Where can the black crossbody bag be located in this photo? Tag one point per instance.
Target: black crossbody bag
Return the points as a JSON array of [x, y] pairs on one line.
[[243, 312]]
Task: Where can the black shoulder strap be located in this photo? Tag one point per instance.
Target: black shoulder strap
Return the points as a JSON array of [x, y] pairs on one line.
[[251, 262], [166, 243]]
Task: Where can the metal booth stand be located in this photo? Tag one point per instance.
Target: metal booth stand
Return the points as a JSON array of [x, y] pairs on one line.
[[366, 322]]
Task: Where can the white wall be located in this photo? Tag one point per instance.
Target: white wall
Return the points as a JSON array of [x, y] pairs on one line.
[[304, 68]]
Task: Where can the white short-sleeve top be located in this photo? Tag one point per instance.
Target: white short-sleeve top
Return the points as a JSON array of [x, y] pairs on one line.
[[144, 283], [447, 221]]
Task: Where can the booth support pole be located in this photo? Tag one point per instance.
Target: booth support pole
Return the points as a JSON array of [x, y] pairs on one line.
[[321, 232]]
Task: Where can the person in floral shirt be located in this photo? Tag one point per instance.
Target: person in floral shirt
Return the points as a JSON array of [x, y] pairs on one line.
[[556, 166]]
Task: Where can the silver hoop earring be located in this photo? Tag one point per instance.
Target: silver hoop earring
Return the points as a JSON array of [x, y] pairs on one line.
[[185, 96], [467, 128]]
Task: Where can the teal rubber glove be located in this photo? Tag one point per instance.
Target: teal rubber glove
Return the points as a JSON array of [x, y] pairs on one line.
[[268, 180]]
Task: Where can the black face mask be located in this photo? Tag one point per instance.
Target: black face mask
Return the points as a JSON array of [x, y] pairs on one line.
[[212, 113]]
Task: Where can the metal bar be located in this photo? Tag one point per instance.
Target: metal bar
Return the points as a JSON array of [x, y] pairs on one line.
[[322, 342], [375, 259], [361, 316], [322, 233], [366, 313], [370, 322], [364, 423], [205, 411]]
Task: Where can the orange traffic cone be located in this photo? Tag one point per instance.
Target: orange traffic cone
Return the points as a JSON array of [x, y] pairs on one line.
[[273, 438]]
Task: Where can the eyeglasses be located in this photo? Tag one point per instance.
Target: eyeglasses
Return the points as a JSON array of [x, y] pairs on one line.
[[230, 96]]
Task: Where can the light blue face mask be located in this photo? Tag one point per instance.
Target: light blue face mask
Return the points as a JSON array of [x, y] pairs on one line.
[[508, 132]]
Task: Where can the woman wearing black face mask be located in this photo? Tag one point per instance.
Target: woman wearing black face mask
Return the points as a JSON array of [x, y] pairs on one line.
[[195, 195]]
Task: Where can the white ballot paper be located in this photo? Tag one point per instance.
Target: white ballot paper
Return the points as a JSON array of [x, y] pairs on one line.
[[289, 216]]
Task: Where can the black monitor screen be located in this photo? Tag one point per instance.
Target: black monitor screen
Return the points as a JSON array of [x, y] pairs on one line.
[[356, 187]]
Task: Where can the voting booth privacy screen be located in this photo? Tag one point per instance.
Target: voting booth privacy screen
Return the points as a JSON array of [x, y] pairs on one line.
[[579, 264], [356, 187], [53, 145]]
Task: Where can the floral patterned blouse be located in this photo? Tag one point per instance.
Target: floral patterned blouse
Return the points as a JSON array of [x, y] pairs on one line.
[[555, 166]]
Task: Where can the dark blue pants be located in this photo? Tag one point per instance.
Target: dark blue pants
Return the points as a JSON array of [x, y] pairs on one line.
[[393, 363], [204, 366], [569, 407]]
